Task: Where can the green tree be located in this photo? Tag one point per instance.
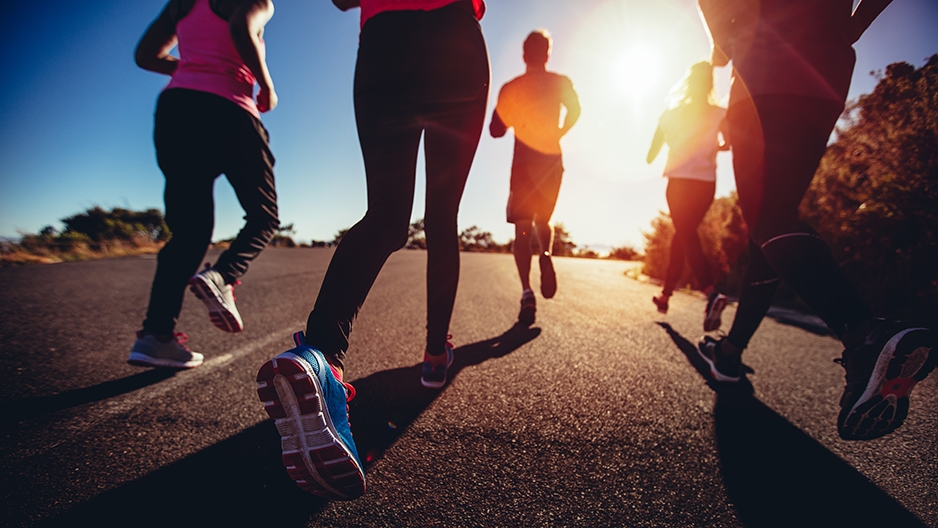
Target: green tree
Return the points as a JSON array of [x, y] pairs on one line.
[[875, 193], [284, 236], [121, 224]]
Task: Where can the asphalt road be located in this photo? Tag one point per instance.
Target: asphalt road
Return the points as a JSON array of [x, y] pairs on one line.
[[600, 414]]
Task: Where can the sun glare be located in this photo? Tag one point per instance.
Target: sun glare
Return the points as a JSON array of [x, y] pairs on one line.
[[636, 72]]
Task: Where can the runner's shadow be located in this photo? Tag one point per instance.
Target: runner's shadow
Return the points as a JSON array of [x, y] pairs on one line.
[[240, 481], [17, 411], [388, 402], [776, 475]]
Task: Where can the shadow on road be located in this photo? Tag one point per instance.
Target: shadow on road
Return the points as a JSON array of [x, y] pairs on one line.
[[16, 411], [240, 481], [388, 402], [776, 475]]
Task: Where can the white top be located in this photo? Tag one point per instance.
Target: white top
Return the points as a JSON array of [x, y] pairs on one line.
[[691, 134]]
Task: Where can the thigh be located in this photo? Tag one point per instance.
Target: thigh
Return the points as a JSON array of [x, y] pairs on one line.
[[188, 161], [249, 164], [688, 201]]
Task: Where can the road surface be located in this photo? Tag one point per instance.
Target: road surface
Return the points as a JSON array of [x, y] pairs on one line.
[[600, 414]]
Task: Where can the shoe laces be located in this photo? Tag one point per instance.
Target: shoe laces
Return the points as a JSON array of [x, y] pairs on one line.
[[349, 389], [178, 337]]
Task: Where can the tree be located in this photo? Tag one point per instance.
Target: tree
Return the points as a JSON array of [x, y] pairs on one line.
[[474, 239], [874, 196], [284, 236], [118, 224], [339, 235], [416, 237], [624, 253], [563, 245]]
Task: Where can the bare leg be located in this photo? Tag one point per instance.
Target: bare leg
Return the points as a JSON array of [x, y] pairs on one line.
[[522, 251]]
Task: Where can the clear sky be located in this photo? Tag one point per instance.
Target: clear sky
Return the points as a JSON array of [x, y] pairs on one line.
[[76, 114]]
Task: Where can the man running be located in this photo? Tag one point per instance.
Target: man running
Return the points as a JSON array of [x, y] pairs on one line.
[[531, 105]]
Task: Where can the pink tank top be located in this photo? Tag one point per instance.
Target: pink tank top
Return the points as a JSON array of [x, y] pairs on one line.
[[209, 61], [371, 8]]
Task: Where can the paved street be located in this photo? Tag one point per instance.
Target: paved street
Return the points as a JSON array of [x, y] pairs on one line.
[[600, 414]]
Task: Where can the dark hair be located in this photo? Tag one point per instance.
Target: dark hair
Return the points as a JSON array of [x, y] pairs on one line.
[[537, 47]]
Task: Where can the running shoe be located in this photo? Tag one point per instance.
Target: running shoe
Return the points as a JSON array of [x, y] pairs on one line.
[[308, 402], [528, 308], [661, 301], [434, 375], [714, 311], [548, 277], [209, 286], [880, 375], [723, 367], [148, 351]]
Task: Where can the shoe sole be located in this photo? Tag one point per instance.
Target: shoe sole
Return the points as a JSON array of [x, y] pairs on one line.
[[438, 384], [312, 452], [906, 359], [548, 277], [713, 369], [714, 316], [139, 359], [223, 317]]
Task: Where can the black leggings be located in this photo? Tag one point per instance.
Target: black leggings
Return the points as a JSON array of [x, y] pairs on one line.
[[199, 136], [688, 201], [418, 73], [778, 142]]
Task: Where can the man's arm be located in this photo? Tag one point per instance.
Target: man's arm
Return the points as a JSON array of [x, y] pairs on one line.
[[572, 103], [497, 127], [864, 15], [152, 53], [247, 30]]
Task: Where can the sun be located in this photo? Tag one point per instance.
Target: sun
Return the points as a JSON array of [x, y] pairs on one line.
[[637, 71]]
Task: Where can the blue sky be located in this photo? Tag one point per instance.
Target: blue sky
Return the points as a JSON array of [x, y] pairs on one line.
[[76, 114]]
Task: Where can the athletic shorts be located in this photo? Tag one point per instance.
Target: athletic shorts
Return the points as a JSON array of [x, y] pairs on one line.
[[535, 184]]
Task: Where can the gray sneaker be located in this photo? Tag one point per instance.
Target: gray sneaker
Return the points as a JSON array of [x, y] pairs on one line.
[[209, 286], [148, 351]]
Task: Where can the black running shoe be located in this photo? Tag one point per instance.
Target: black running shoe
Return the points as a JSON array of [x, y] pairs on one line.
[[881, 373], [548, 276], [723, 367], [661, 302], [714, 311], [528, 308]]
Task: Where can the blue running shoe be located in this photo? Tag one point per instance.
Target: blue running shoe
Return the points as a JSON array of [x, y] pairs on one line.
[[434, 376], [302, 394]]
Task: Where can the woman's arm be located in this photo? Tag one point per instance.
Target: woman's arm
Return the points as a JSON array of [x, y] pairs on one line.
[[247, 30], [656, 142], [152, 53], [864, 15], [345, 5]]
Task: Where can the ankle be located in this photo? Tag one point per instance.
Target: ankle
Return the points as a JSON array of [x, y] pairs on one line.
[[337, 369], [729, 349]]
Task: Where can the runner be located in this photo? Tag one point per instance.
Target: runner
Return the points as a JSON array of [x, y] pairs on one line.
[[207, 123], [422, 70], [691, 130], [792, 64], [531, 104]]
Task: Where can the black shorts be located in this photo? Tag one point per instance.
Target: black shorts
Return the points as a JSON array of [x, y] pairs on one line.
[[535, 184]]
